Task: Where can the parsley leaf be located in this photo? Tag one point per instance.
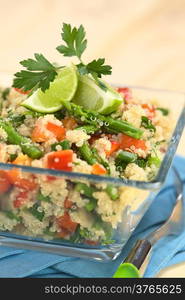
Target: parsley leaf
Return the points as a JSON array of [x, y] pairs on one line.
[[141, 162], [28, 80], [98, 67], [147, 123], [75, 46], [39, 64], [36, 213], [74, 39]]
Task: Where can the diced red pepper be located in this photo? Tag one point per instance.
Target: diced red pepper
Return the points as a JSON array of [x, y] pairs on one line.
[[14, 177], [58, 131], [21, 199], [126, 93], [60, 160], [98, 169], [26, 184], [4, 182], [21, 91], [39, 135], [91, 243], [128, 141], [115, 145], [51, 178], [65, 222], [151, 110]]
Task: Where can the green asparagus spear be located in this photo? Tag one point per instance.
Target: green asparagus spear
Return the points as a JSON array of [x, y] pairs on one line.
[[164, 111], [91, 205], [126, 156], [112, 191], [16, 139], [99, 121], [89, 129], [154, 161], [64, 144], [101, 160], [87, 154], [85, 190]]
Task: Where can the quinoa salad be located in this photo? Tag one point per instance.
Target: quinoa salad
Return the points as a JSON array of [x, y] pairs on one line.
[[55, 126]]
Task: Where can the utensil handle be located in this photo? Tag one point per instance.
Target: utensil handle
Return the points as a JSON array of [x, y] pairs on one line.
[[138, 253]]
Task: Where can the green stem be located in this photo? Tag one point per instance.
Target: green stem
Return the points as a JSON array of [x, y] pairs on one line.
[[101, 121], [16, 139], [86, 153]]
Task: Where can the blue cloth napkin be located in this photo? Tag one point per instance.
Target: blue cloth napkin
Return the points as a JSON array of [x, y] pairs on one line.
[[168, 251]]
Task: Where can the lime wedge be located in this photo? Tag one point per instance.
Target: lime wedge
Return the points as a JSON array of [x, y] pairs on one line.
[[92, 97], [62, 89]]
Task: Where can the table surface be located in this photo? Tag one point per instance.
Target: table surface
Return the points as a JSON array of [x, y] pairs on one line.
[[143, 40]]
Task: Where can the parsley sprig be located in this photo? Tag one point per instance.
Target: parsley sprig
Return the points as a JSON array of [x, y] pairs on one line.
[[74, 39], [75, 46], [40, 72], [39, 75], [147, 123]]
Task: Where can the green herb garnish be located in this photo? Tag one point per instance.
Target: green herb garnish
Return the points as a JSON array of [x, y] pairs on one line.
[[147, 123], [41, 197], [16, 120], [12, 216], [74, 39], [40, 72], [141, 162], [65, 145], [37, 214], [39, 75], [76, 43]]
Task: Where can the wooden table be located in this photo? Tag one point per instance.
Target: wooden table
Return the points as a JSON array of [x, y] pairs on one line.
[[143, 40]]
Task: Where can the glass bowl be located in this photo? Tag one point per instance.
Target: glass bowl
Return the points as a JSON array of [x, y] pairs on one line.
[[136, 196]]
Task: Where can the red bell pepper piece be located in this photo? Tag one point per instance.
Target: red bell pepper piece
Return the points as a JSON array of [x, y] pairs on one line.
[[60, 160]]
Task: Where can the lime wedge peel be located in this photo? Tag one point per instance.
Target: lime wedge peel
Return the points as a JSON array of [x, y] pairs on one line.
[[62, 89], [90, 96]]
